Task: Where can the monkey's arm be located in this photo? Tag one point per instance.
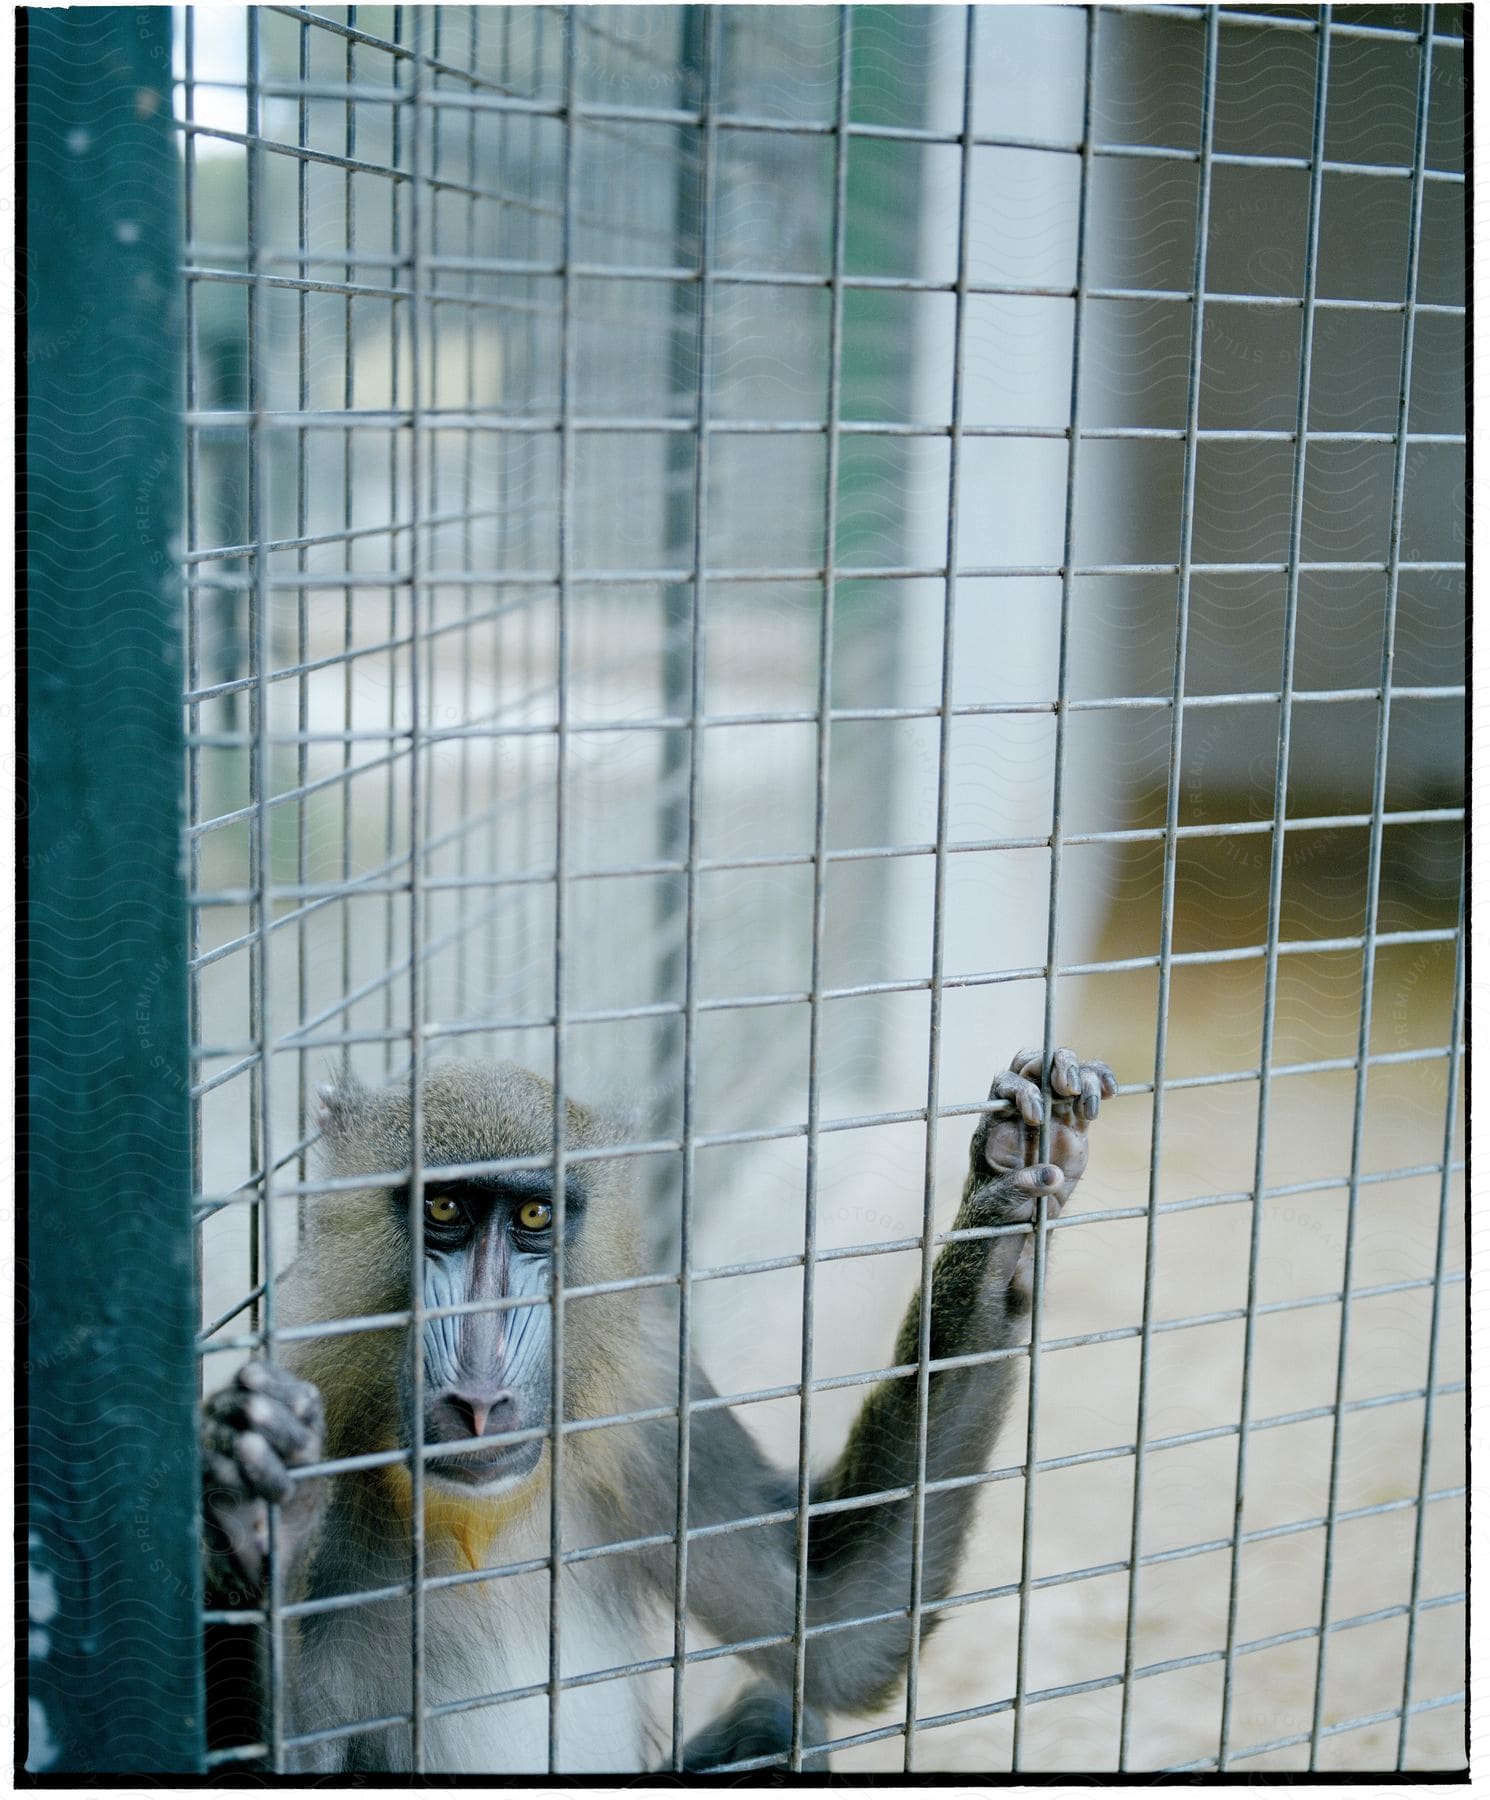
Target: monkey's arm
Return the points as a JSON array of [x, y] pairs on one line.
[[859, 1560], [254, 1431]]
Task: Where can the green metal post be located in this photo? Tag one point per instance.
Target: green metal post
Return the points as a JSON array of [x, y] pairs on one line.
[[106, 1252]]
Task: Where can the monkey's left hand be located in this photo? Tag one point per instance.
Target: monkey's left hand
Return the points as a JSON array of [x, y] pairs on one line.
[[254, 1431]]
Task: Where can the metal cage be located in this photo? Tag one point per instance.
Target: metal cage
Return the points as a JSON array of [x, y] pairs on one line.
[[731, 551]]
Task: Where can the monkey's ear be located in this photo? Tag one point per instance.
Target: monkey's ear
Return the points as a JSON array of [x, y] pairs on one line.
[[336, 1101]]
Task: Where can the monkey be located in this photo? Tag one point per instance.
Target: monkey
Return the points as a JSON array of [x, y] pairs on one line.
[[341, 1673]]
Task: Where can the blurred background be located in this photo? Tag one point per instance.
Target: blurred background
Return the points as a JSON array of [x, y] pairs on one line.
[[376, 369]]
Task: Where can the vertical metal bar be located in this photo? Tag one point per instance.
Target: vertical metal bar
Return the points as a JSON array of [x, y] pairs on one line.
[[397, 326], [106, 1383], [1275, 873], [302, 614], [561, 851], [680, 465], [502, 531], [261, 781], [1057, 810], [193, 494], [820, 865], [258, 725], [1440, 1257], [432, 500], [707, 98], [512, 523], [1373, 864], [417, 309], [348, 455], [1171, 847], [939, 877], [529, 925], [468, 446]]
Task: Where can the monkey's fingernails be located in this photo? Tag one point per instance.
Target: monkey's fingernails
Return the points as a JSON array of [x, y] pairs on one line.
[[1065, 1073]]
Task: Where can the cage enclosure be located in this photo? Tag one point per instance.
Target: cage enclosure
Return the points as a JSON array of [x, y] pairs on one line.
[[750, 560]]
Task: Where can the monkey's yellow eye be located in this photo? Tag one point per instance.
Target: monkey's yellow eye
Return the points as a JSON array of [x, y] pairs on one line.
[[440, 1209], [535, 1215]]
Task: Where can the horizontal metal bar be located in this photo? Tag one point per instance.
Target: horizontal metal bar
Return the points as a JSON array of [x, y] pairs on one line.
[[1273, 21], [854, 715], [488, 422], [810, 572], [448, 263]]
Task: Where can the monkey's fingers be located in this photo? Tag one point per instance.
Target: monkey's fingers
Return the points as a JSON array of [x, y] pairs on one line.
[[239, 1414], [260, 1468], [1104, 1075], [1030, 1186], [1061, 1069], [1016, 1200], [1065, 1073], [1098, 1083], [302, 1397], [1012, 1197], [1070, 1079], [1020, 1093]]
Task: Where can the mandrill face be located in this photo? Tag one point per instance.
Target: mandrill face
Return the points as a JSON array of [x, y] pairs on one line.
[[487, 1372], [489, 1243]]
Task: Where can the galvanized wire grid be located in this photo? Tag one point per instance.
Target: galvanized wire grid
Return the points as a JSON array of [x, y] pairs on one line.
[[415, 239]]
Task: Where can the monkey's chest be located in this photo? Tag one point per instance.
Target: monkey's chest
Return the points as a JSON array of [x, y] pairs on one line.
[[484, 1641], [609, 1726]]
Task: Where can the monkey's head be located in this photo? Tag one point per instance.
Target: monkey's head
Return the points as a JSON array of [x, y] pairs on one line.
[[488, 1239]]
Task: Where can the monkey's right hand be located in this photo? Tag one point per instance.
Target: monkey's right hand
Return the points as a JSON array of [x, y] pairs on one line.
[[264, 1423], [1008, 1178]]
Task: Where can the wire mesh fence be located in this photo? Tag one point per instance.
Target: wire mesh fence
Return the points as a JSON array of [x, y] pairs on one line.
[[748, 560]]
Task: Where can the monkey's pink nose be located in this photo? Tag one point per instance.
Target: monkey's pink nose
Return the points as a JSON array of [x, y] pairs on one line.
[[470, 1415]]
